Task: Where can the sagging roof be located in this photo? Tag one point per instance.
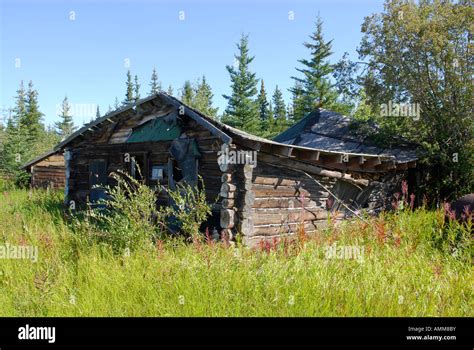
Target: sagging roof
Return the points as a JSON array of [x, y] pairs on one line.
[[38, 159], [356, 160], [332, 131]]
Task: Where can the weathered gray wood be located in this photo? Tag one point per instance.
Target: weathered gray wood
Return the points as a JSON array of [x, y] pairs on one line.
[[245, 226], [228, 203], [228, 187], [227, 218], [311, 169], [226, 177]]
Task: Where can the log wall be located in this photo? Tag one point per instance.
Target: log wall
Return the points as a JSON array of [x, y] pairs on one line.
[[50, 172], [285, 200]]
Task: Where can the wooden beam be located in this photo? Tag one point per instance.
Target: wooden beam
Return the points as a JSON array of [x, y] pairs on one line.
[[329, 159], [285, 151], [372, 162], [310, 168]]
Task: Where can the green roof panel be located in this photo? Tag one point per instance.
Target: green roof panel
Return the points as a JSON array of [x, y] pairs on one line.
[[155, 130]]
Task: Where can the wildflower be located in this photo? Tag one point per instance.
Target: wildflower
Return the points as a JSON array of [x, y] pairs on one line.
[[412, 200], [404, 188], [208, 236], [448, 212], [395, 205], [400, 299], [467, 211]]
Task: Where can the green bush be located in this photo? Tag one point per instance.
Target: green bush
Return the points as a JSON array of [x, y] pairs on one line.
[[129, 216], [190, 208]]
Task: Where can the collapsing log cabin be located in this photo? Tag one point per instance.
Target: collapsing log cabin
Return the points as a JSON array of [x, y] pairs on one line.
[[47, 170], [260, 189], [331, 131]]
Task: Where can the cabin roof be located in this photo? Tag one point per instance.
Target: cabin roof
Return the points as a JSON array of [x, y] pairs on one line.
[[309, 153], [38, 159], [331, 131]]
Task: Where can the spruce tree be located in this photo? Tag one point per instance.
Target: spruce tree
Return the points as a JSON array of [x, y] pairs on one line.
[[297, 103], [242, 109], [97, 113], [136, 88], [129, 90], [187, 93], [263, 105], [32, 120], [170, 91], [203, 98], [155, 84], [18, 145], [279, 110], [19, 111], [65, 126], [317, 91]]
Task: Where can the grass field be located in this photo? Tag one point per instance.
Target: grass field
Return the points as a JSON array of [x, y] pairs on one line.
[[412, 264]]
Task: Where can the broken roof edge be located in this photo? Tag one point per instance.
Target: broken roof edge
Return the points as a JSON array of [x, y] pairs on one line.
[[288, 136]]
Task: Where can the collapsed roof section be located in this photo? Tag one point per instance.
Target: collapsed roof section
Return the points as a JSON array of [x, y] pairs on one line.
[[332, 131]]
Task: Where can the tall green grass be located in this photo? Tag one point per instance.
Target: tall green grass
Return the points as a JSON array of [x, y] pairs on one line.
[[405, 270]]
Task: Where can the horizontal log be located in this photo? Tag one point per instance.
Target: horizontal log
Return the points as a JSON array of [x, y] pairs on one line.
[[278, 202], [291, 228], [310, 169], [280, 191], [280, 216]]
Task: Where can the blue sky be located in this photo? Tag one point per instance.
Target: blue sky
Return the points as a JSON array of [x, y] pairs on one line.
[[83, 53]]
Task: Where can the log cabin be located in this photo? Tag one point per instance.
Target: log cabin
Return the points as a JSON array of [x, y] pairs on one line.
[[47, 170], [259, 189]]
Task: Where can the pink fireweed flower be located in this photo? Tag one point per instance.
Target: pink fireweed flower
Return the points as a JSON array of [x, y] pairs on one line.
[[412, 200], [467, 211], [395, 205], [404, 188], [448, 212]]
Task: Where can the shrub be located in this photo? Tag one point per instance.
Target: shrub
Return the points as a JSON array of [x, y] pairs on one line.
[[126, 218], [129, 216], [190, 208]]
